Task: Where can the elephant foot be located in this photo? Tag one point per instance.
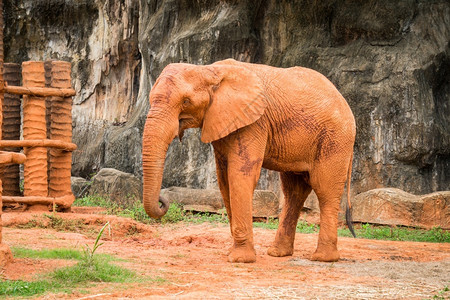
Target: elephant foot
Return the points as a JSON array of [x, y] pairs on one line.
[[282, 246], [244, 254], [280, 250], [326, 256]]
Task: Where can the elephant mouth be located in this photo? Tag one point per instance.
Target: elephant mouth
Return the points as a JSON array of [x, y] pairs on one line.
[[183, 124]]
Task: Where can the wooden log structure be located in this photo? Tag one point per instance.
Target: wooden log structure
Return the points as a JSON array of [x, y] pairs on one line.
[[47, 123], [47, 134]]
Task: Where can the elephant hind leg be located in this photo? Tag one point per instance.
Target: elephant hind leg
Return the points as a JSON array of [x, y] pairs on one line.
[[328, 182], [295, 190]]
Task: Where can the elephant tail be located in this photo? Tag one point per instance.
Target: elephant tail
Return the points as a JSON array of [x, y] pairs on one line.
[[348, 211]]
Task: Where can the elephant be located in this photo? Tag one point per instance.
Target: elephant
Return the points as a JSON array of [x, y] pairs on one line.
[[291, 120]]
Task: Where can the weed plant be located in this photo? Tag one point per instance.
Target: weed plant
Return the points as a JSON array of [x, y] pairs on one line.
[[89, 252]]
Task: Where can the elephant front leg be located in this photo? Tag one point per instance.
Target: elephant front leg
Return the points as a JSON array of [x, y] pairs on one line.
[[241, 196], [295, 190], [243, 174]]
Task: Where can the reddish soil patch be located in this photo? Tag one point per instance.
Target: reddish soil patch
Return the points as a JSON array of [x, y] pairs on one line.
[[29, 269], [186, 261]]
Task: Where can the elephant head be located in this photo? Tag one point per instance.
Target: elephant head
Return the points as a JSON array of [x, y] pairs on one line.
[[219, 98]]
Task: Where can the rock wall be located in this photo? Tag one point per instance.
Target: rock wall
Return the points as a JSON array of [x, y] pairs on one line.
[[100, 38], [390, 60]]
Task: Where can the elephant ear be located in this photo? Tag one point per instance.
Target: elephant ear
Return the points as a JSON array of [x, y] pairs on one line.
[[237, 100]]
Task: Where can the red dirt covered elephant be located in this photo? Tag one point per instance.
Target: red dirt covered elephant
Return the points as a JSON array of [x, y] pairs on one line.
[[292, 120]]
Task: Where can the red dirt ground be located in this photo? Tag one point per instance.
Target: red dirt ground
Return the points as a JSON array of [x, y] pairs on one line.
[[186, 261]]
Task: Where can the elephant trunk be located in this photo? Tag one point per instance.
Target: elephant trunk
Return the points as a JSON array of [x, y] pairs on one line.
[[156, 139]]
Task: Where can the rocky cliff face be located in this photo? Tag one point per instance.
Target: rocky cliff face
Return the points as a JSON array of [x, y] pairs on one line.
[[390, 60]]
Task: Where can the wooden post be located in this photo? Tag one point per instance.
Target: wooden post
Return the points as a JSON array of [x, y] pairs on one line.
[[60, 130], [48, 104], [34, 128], [11, 129]]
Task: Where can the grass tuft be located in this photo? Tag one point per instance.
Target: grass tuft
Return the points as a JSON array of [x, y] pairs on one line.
[[26, 288], [96, 270], [59, 253]]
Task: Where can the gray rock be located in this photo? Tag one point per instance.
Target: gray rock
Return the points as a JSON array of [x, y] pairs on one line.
[[80, 186], [118, 186], [265, 203], [391, 206]]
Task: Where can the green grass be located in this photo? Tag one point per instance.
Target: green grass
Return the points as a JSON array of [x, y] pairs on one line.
[[57, 253], [368, 231], [99, 270], [60, 253], [26, 288]]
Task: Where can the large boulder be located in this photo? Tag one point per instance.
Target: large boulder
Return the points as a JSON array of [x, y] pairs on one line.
[[265, 203], [391, 206], [119, 186]]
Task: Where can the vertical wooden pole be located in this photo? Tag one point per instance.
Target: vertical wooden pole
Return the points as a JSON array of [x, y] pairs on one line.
[[60, 129], [48, 103], [34, 128], [11, 129]]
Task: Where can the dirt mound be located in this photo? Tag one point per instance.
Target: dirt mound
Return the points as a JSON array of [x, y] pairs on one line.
[[75, 222]]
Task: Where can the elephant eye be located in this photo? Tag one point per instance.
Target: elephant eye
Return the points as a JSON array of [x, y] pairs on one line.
[[186, 101]]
